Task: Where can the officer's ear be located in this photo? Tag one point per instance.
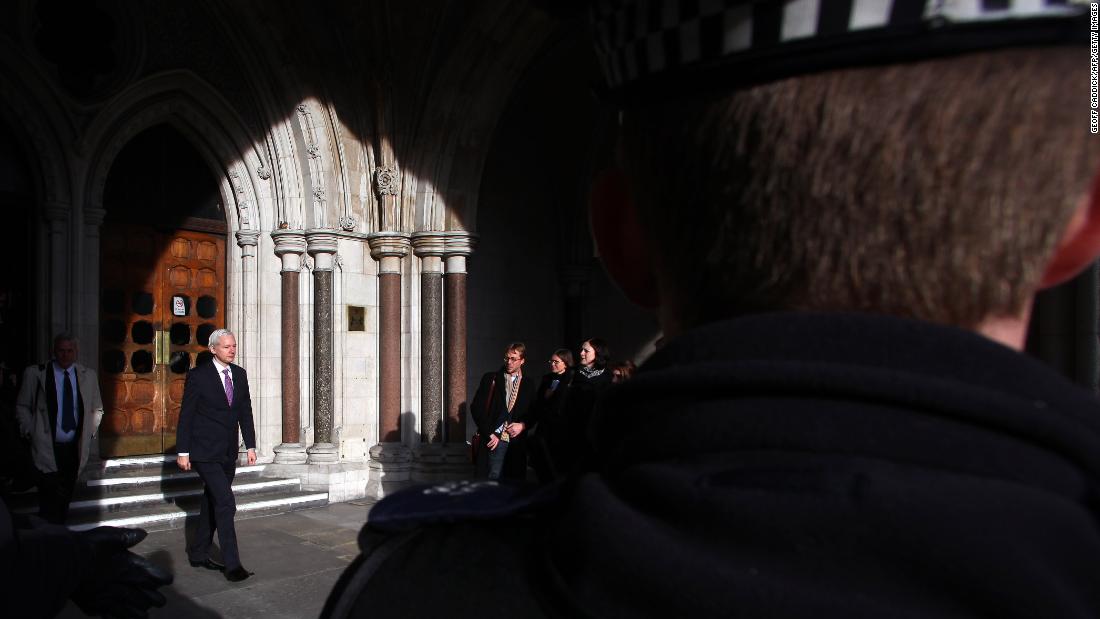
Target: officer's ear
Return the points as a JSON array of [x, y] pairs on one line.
[[619, 238], [1080, 244]]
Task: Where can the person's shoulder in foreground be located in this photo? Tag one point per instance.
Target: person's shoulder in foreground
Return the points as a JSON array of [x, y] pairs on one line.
[[864, 198], [455, 548]]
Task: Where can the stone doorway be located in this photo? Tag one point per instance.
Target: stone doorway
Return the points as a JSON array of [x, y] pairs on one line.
[[162, 287], [154, 325]]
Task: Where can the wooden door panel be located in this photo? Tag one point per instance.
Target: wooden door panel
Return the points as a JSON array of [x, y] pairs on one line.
[[194, 296], [148, 278]]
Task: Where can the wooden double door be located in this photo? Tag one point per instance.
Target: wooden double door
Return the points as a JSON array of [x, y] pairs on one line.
[[162, 295]]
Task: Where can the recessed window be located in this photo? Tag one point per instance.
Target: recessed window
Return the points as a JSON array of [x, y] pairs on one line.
[[202, 334], [113, 361], [180, 362], [113, 330], [180, 334], [113, 301], [143, 303], [207, 306], [141, 361], [142, 332]]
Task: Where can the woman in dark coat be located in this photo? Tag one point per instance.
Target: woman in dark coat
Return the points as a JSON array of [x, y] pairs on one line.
[[546, 414], [569, 441]]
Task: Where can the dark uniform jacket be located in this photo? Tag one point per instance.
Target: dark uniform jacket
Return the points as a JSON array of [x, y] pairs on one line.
[[785, 465]]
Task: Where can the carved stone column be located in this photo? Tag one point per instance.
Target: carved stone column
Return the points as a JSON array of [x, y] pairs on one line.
[[87, 328], [428, 246], [389, 458], [321, 244], [458, 246], [289, 246], [89, 343], [248, 338], [443, 455], [57, 221]]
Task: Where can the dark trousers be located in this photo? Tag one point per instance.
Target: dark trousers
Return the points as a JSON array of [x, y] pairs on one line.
[[55, 490], [496, 459], [216, 513]]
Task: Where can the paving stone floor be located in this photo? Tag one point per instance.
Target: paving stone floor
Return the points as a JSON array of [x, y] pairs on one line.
[[296, 557]]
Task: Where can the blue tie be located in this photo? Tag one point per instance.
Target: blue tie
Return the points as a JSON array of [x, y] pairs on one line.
[[68, 418]]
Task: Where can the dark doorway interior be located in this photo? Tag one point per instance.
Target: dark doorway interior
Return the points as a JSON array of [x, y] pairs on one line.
[[162, 287], [17, 299]]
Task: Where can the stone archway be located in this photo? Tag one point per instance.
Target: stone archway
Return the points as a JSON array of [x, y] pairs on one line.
[[162, 274]]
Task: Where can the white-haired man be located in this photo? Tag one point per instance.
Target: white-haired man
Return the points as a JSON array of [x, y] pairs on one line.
[[59, 410], [216, 401]]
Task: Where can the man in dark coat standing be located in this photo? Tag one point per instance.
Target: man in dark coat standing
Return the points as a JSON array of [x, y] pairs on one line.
[[59, 410], [843, 211], [500, 410], [216, 402]]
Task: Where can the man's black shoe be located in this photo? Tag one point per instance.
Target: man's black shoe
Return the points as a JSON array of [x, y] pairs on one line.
[[209, 564], [237, 574]]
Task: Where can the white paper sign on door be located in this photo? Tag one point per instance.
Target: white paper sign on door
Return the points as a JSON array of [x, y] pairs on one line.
[[178, 308]]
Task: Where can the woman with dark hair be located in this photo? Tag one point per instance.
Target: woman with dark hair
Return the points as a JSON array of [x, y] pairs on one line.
[[567, 439], [550, 430], [594, 357]]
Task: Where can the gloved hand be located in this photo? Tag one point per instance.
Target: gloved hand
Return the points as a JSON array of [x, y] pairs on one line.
[[115, 581]]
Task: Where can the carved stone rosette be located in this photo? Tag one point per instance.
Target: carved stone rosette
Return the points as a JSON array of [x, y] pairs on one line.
[[387, 180]]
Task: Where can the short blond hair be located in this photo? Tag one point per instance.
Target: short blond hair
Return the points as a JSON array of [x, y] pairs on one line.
[[935, 190]]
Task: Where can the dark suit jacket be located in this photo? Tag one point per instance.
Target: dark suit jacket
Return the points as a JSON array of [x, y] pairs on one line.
[[489, 414], [208, 424]]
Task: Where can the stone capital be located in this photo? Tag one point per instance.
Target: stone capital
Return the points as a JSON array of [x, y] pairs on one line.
[[94, 216], [248, 238], [388, 245], [458, 243], [289, 242], [56, 211], [289, 246], [428, 243], [321, 241]]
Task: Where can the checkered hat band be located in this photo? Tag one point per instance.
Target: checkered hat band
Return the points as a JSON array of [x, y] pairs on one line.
[[636, 39]]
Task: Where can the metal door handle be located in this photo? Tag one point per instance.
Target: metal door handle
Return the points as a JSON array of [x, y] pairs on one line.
[[160, 347]]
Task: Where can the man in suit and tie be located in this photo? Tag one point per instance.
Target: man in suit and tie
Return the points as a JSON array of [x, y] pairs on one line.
[[500, 411], [59, 409], [216, 402]]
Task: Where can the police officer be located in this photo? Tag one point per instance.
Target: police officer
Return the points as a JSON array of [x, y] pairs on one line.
[[845, 208]]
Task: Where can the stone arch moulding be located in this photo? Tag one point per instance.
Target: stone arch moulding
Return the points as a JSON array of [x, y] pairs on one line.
[[199, 112], [40, 124]]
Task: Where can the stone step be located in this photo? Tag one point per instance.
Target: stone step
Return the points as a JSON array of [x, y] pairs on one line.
[[173, 515], [151, 492], [132, 477]]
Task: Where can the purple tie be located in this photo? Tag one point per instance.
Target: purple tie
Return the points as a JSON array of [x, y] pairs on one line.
[[228, 386]]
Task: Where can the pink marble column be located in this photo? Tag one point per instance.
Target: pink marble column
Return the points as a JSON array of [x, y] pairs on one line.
[[457, 247], [389, 248], [289, 246]]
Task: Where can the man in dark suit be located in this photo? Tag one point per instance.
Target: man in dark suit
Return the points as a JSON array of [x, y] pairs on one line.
[[216, 402], [59, 410], [500, 409]]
